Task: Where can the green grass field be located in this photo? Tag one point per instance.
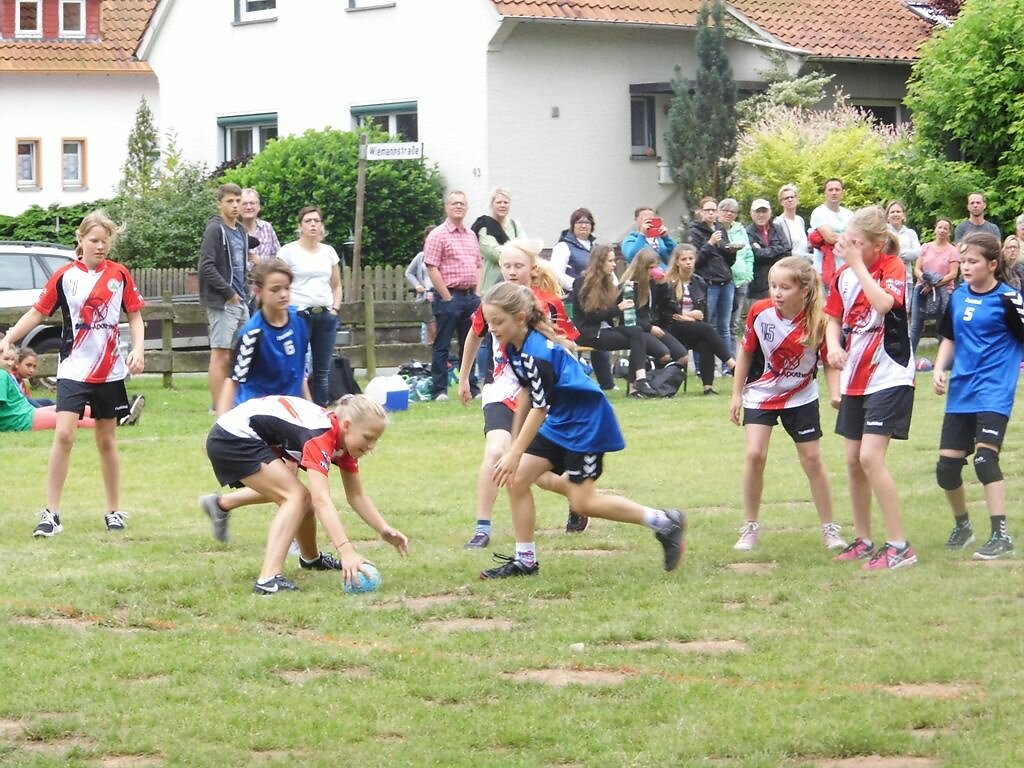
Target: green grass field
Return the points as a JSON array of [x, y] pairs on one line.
[[148, 648]]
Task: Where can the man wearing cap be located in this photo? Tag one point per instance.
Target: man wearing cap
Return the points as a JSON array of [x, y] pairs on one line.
[[451, 254], [768, 243]]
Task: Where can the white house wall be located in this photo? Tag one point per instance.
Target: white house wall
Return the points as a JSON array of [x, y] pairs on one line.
[[317, 61], [97, 108], [553, 165]]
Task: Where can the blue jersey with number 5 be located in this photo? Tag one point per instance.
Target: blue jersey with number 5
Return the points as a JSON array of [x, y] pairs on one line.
[[988, 331], [270, 360]]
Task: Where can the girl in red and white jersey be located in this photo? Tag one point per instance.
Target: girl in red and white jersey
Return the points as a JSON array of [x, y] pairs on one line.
[[776, 380], [868, 340], [519, 265], [90, 292], [245, 446]]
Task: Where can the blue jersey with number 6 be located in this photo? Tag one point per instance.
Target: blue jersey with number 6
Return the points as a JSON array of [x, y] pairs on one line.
[[270, 360], [988, 331]]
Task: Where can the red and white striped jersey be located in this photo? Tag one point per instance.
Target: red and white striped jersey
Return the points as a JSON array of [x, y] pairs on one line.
[[91, 302], [294, 428], [877, 346], [789, 366]]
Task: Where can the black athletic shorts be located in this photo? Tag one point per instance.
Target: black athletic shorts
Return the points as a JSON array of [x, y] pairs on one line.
[[580, 466], [802, 422], [234, 458], [963, 431], [107, 401], [498, 416], [886, 412]]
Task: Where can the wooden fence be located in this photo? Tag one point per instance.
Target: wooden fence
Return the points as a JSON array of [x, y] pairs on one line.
[[388, 282], [381, 333]]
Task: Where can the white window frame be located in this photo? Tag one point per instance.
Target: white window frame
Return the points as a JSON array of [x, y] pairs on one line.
[[64, 31], [229, 125], [650, 126], [76, 183], [19, 31], [245, 16], [389, 111], [34, 154]]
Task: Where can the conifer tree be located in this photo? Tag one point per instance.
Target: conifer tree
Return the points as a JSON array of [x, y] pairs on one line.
[[142, 166]]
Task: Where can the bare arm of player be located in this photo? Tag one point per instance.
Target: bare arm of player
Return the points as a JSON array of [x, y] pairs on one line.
[[852, 252], [739, 378], [832, 382], [469, 350], [943, 362], [330, 519], [505, 470], [833, 337], [226, 400], [137, 356]]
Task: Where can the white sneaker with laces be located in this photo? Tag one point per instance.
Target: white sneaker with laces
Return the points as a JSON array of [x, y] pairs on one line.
[[115, 520], [830, 536], [750, 536]]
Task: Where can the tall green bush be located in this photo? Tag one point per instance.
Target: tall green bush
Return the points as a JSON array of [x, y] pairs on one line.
[[319, 168], [52, 224], [806, 147]]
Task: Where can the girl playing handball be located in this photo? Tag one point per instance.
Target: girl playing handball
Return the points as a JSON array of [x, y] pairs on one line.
[[776, 370], [518, 261], [90, 292], [246, 446], [982, 334], [869, 343], [564, 424]]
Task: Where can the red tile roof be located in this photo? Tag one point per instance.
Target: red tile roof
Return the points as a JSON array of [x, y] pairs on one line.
[[842, 29], [857, 29], [121, 25]]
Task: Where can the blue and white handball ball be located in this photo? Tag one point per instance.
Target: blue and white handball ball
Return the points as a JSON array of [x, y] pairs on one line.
[[367, 580]]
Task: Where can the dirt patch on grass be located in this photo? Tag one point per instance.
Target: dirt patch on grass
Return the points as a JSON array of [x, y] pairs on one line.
[[59, 746], [560, 678], [59, 622], [468, 625], [11, 729], [755, 568], [708, 647], [878, 761], [302, 676], [425, 602], [754, 602], [932, 690], [266, 755], [932, 733], [129, 761], [157, 679]]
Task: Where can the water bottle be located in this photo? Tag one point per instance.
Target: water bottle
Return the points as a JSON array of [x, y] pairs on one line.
[[629, 315]]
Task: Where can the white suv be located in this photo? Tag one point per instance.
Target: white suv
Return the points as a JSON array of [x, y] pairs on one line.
[[24, 269]]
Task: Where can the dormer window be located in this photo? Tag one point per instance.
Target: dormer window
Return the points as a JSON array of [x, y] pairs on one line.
[[28, 21], [72, 18]]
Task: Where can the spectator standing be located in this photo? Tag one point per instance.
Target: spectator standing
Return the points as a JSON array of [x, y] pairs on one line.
[[975, 221], [791, 224], [417, 277], [649, 232], [223, 267], [1011, 259], [493, 232], [934, 277], [829, 221], [768, 243], [452, 256], [910, 246], [316, 293], [1019, 223], [742, 268], [714, 265], [256, 227]]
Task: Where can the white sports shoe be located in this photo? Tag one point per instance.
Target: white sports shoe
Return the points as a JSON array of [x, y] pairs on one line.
[[830, 536], [750, 536]]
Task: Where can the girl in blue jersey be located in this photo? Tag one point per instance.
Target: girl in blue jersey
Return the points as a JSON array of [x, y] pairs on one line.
[[270, 353], [983, 339], [563, 423]]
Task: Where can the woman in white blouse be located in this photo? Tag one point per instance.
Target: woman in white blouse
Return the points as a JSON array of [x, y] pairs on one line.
[[316, 293], [791, 224]]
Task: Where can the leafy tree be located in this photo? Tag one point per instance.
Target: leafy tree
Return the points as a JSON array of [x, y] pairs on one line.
[[53, 224], [784, 90], [965, 95], [143, 163], [163, 227], [319, 168], [806, 147], [701, 136]]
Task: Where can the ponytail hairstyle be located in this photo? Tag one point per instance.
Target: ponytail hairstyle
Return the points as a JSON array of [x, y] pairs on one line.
[[544, 278], [259, 274], [989, 247], [807, 278], [359, 409], [97, 218], [639, 272], [598, 290], [873, 224], [514, 299], [674, 276]]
